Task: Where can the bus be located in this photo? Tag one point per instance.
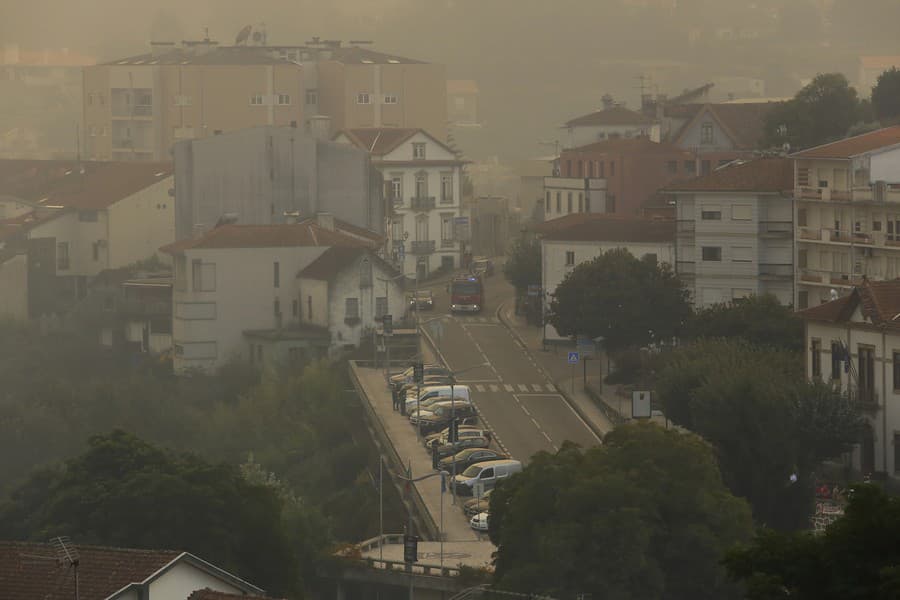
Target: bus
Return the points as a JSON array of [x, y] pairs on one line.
[[466, 294]]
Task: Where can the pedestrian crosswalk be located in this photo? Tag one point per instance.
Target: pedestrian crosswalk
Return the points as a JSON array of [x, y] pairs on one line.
[[530, 388], [467, 319]]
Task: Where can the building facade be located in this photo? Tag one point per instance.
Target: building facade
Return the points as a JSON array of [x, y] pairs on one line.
[[423, 181], [611, 122], [571, 195], [735, 232], [574, 239], [848, 214]]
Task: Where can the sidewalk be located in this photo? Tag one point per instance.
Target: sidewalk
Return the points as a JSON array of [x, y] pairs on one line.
[[555, 366]]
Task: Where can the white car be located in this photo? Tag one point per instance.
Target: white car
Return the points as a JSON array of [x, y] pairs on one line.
[[479, 522]]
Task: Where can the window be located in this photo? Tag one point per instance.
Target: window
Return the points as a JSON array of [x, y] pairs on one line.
[[896, 371], [580, 168], [446, 188], [365, 273], [203, 276], [547, 204], [711, 253], [742, 254], [803, 299], [690, 167], [284, 99], [815, 350], [256, 100], [711, 213], [421, 185], [672, 167], [397, 229], [837, 358], [580, 201], [381, 306], [276, 274], [569, 202], [587, 204], [590, 172], [351, 309], [295, 308], [866, 373], [601, 170], [447, 230], [706, 133], [419, 151], [397, 188], [88, 216], [276, 307], [558, 202], [183, 100], [610, 203], [390, 99], [312, 97], [363, 98], [62, 256], [741, 212], [570, 258]]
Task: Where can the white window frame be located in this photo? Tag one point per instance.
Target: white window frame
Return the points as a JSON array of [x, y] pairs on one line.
[[363, 98], [570, 258], [390, 99], [312, 97], [256, 100], [418, 149], [284, 99]]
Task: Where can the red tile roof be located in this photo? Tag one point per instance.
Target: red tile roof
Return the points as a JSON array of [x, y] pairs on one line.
[[771, 175], [14, 226], [61, 183], [744, 123], [208, 594], [635, 145], [617, 115], [306, 233], [379, 141], [336, 259], [879, 301], [856, 145], [592, 227], [30, 571]]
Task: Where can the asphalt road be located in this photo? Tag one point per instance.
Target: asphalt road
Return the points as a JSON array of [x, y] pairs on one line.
[[516, 401]]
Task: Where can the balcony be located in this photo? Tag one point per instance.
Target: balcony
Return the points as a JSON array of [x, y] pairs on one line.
[[837, 236], [422, 247], [829, 278], [860, 194], [138, 111], [684, 267], [776, 271], [778, 229], [867, 398], [422, 202]]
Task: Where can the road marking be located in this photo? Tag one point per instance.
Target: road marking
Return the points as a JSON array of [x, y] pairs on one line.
[[507, 387], [536, 424], [551, 387], [479, 388], [537, 387], [526, 411], [495, 388], [548, 438], [523, 387], [468, 381]]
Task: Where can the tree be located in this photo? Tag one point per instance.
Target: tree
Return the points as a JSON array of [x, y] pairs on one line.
[[643, 516], [886, 96], [856, 558], [821, 112], [766, 423], [125, 492], [523, 267], [760, 320], [625, 300]]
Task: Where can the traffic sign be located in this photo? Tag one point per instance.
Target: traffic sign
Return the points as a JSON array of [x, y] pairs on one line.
[[640, 405], [410, 549], [573, 358]]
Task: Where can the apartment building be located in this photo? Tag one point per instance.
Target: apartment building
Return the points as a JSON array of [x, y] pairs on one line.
[[735, 232], [462, 103], [270, 175], [577, 238], [848, 214], [275, 293], [136, 108], [611, 122], [854, 342], [572, 195], [423, 181]]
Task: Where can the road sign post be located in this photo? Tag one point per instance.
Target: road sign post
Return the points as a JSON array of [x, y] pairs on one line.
[[573, 360]]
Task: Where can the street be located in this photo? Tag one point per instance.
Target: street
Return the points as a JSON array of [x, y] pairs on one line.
[[515, 399]]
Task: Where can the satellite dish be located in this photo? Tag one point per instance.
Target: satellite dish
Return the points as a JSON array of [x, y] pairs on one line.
[[242, 35], [786, 147], [834, 294]]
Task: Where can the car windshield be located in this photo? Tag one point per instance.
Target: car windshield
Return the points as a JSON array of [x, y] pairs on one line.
[[472, 471], [423, 294], [467, 288]]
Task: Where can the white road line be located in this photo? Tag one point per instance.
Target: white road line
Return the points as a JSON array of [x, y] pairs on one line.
[[537, 387], [548, 438], [536, 424], [507, 387], [526, 411], [523, 387], [479, 388], [551, 387], [495, 388], [468, 381]]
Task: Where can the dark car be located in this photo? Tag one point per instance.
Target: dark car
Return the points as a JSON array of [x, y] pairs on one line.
[[468, 425], [406, 376], [421, 300], [470, 456], [469, 442], [475, 506], [440, 417]]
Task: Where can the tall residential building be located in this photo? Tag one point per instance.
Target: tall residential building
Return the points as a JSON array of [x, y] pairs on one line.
[[848, 214], [136, 108], [735, 232]]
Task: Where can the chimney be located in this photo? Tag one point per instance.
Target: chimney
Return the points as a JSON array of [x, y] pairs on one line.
[[160, 48], [608, 101], [325, 220]]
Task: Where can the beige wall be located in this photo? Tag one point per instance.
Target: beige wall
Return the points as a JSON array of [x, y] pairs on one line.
[[14, 288], [140, 224], [314, 292]]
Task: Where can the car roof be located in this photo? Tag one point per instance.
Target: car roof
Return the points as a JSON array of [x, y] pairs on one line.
[[495, 463]]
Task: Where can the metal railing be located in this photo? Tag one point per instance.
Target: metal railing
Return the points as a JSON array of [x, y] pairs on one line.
[[776, 270], [421, 202], [422, 247]]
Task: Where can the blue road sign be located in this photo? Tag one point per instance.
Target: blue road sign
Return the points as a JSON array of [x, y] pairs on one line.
[[573, 358]]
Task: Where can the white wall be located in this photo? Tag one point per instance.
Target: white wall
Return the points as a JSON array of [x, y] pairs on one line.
[[582, 135], [81, 236], [554, 269], [314, 293], [14, 288], [140, 224], [182, 579], [884, 166]]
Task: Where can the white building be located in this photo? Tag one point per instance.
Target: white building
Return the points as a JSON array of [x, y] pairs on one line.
[[735, 232], [610, 123], [423, 180], [862, 325], [848, 214], [574, 239], [570, 195], [276, 293]]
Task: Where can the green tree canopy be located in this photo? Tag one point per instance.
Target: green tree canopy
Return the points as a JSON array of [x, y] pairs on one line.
[[886, 96], [820, 112], [625, 300], [125, 492], [760, 320], [643, 516], [523, 266], [857, 557], [766, 422]]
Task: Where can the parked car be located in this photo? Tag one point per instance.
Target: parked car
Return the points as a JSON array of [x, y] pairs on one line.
[[440, 417], [406, 375], [465, 458], [444, 407], [458, 391], [480, 521], [421, 300], [474, 506], [463, 443], [464, 431], [430, 381], [485, 474], [425, 403]]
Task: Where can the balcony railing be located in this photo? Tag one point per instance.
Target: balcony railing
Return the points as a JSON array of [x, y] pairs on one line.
[[829, 278], [421, 202], [684, 267], [776, 228], [422, 247], [780, 271], [448, 243], [865, 193], [838, 236], [867, 398]]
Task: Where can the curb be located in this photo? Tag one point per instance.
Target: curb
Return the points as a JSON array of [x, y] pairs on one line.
[[559, 388]]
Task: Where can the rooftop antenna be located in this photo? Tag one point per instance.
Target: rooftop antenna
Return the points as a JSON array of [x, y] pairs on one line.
[[67, 554], [242, 35]]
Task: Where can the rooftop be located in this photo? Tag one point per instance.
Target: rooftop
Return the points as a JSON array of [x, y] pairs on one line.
[[87, 185], [635, 145], [594, 227], [208, 594], [772, 175], [379, 141], [879, 302], [744, 121], [854, 146], [616, 115], [879, 62], [10, 228], [307, 233], [336, 259]]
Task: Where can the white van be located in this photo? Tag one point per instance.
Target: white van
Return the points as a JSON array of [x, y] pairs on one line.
[[459, 391], [485, 475]]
